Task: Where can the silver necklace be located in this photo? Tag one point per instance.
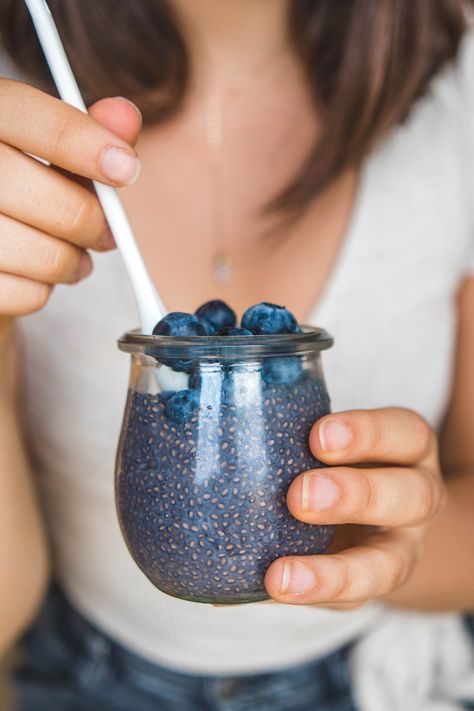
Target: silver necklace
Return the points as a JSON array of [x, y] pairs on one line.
[[222, 261]]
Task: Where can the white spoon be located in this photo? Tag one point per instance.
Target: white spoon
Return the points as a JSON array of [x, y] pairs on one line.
[[150, 306]]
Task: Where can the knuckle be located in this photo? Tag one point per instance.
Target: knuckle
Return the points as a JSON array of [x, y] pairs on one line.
[[424, 435], [83, 217], [62, 132], [373, 428], [367, 493], [79, 214], [20, 297], [428, 498], [342, 578], [58, 261], [398, 572], [38, 296], [427, 501], [394, 568]]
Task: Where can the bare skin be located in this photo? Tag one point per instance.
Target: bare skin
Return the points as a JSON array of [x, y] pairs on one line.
[[400, 559], [261, 153], [32, 260], [424, 560]]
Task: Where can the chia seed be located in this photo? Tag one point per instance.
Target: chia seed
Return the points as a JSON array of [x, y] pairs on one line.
[[226, 458]]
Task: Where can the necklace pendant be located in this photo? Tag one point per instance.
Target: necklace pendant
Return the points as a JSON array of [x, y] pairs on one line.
[[222, 267]]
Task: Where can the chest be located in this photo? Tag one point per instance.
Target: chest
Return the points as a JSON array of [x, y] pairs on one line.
[[393, 321], [197, 199], [389, 300]]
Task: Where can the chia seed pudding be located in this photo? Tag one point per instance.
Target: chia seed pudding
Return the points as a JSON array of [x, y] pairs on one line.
[[203, 474]]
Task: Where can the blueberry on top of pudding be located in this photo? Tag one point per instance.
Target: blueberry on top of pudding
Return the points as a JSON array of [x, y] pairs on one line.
[[234, 331], [267, 319], [217, 318], [179, 323], [218, 314]]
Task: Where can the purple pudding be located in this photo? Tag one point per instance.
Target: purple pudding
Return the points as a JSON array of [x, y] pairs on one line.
[[203, 472]]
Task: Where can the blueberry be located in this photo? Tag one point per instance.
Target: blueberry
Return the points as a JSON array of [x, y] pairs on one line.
[[165, 395], [234, 331], [181, 406], [267, 319], [282, 370], [178, 323], [210, 331], [217, 314], [180, 366]]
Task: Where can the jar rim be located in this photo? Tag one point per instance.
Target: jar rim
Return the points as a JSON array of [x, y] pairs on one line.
[[310, 339]]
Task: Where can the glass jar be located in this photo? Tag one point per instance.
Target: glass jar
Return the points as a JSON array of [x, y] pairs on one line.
[[215, 430]]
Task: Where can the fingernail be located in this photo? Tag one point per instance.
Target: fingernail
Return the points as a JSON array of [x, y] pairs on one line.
[[85, 267], [334, 435], [296, 578], [134, 106], [107, 240], [318, 493], [121, 167]]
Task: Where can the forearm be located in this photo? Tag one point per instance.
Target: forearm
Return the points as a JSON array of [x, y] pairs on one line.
[[444, 578], [23, 550]]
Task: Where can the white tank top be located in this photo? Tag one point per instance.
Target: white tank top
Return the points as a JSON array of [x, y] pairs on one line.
[[389, 302]]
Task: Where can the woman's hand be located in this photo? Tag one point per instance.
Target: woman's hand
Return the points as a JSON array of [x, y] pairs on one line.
[[391, 492], [47, 218]]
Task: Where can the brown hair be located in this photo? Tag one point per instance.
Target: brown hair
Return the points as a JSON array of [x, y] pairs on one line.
[[366, 62]]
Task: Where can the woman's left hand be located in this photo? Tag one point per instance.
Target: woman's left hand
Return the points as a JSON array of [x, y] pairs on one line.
[[392, 490]]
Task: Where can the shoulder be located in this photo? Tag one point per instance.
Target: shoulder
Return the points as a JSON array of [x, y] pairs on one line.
[[422, 174], [438, 133], [464, 69], [441, 124], [442, 119], [453, 88], [452, 94]]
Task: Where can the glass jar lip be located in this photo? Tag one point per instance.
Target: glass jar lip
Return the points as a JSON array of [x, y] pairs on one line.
[[310, 339]]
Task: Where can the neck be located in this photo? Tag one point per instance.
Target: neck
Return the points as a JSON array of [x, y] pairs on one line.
[[229, 37]]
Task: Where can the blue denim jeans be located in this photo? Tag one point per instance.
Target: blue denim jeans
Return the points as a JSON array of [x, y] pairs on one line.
[[69, 665], [469, 620]]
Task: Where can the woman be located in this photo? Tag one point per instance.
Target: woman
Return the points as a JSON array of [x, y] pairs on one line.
[[308, 153]]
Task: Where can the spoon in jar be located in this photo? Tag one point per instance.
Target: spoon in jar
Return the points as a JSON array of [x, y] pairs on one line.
[[150, 306]]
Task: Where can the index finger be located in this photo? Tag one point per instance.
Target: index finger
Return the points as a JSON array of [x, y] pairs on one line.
[[392, 435], [63, 135]]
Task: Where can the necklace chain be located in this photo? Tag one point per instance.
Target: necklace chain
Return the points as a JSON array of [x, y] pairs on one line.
[[223, 266]]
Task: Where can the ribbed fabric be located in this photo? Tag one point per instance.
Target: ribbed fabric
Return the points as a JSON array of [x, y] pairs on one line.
[[390, 303]]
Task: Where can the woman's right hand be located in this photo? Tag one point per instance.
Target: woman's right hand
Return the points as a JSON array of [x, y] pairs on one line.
[[48, 218]]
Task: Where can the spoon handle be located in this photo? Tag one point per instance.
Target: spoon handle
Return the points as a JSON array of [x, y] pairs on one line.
[[150, 306]]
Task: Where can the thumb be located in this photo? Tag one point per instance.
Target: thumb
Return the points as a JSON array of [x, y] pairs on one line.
[[120, 116]]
